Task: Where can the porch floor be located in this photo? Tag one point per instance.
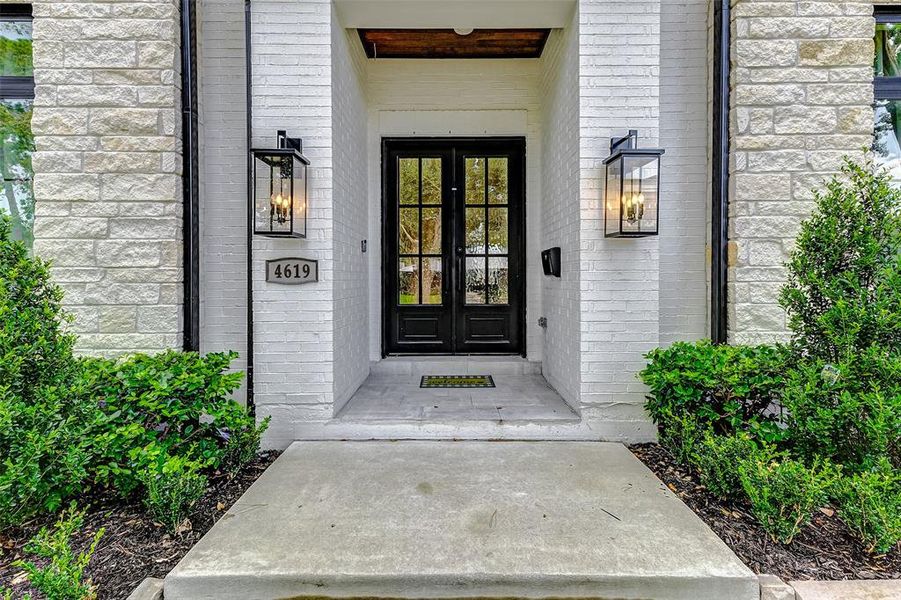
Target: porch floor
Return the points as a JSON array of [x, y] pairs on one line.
[[460, 520], [515, 398]]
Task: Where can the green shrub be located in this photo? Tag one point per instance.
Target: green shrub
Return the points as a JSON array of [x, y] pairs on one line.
[[46, 422], [171, 489], [62, 578], [168, 404], [242, 436], [784, 493], [729, 388], [849, 411], [716, 458], [870, 503], [843, 293], [35, 350], [680, 434]]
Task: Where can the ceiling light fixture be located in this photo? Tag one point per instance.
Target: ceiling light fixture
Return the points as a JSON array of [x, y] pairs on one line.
[[463, 30]]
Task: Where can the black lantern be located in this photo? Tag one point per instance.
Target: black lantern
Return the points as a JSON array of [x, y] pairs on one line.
[[279, 202], [631, 202]]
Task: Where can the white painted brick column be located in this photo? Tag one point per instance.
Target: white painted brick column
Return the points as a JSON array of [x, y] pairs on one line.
[[293, 325], [802, 93], [108, 168], [619, 90]]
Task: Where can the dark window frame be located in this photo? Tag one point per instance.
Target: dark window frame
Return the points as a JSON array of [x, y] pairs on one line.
[[16, 87], [887, 88]]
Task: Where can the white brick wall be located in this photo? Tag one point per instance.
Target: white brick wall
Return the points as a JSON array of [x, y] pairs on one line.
[[311, 79], [293, 328], [620, 89], [480, 95], [223, 181], [351, 215], [685, 187], [560, 209]]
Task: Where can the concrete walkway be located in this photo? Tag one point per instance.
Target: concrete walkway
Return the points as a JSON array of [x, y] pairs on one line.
[[460, 520]]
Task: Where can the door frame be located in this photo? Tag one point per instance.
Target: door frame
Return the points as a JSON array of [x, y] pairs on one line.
[[520, 289]]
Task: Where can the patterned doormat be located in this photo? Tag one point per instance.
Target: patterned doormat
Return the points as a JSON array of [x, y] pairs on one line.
[[456, 381]]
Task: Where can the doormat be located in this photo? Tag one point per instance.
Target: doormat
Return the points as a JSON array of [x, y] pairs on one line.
[[456, 381]]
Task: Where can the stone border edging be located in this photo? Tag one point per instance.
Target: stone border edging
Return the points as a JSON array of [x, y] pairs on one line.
[[773, 588], [149, 589]]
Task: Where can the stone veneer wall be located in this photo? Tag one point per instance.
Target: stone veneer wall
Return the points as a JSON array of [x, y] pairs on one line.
[[802, 90], [108, 168]]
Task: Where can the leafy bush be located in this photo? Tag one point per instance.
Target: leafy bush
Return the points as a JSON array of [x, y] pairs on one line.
[[169, 404], [849, 411], [242, 436], [716, 458], [35, 350], [680, 434], [729, 388], [46, 421], [784, 493], [843, 293], [62, 578], [870, 503], [172, 488]]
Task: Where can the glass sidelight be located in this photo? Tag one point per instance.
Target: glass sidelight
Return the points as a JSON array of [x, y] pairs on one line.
[[420, 262], [487, 230]]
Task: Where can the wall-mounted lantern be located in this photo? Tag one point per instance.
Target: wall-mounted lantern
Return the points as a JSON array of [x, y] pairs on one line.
[[279, 187], [631, 203]]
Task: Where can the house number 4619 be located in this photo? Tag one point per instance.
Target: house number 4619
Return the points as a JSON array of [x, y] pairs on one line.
[[291, 271]]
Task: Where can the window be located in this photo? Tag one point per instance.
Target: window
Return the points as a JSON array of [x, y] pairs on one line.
[[16, 100], [887, 71]]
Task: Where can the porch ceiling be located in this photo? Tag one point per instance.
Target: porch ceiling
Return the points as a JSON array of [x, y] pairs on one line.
[[448, 14], [445, 43]]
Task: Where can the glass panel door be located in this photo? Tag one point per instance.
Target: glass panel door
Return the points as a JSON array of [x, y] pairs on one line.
[[454, 251]]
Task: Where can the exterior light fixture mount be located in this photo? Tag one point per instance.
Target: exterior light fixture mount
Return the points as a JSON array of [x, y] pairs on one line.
[[632, 192], [279, 201]]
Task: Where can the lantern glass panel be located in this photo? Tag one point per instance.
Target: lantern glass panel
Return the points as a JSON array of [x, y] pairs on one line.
[[613, 197], [299, 190], [639, 202], [272, 194]]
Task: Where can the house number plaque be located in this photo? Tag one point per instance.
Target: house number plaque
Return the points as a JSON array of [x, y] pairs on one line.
[[292, 271]]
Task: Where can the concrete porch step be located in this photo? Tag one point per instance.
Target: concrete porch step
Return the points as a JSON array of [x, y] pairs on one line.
[[460, 520], [455, 365]]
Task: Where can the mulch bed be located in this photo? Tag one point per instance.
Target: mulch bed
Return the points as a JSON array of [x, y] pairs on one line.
[[824, 550], [133, 547]]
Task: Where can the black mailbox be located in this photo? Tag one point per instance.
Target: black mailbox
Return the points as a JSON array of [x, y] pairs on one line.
[[550, 261]]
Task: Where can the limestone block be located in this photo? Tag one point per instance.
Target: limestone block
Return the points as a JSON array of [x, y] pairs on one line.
[[157, 55], [765, 53], [124, 121], [140, 187], [788, 27], [117, 319], [70, 228], [836, 52], [129, 253], [99, 54], [155, 319], [60, 121], [76, 253], [805, 119]]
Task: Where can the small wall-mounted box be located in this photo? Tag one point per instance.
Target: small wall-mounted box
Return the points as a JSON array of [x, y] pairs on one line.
[[550, 261]]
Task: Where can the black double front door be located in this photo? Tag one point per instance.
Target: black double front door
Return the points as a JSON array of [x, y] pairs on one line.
[[453, 246]]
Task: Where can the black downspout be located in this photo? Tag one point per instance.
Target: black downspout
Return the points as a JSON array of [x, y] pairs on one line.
[[719, 240], [190, 178], [251, 406]]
